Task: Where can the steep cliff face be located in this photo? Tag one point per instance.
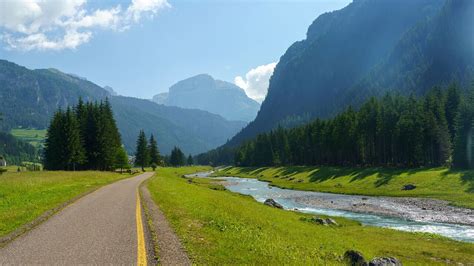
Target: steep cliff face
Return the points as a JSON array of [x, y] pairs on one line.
[[366, 49]]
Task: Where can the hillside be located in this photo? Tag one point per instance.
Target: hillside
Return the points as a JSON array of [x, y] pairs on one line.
[[215, 96], [30, 97], [366, 49]]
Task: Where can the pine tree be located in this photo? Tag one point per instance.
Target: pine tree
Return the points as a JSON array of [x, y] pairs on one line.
[[155, 157], [53, 151], [142, 156], [73, 149]]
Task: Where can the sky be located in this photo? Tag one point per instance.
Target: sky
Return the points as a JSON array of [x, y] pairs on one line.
[[142, 47]]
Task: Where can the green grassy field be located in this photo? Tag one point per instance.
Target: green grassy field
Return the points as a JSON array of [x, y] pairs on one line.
[[219, 227], [440, 183], [33, 136], [25, 196]]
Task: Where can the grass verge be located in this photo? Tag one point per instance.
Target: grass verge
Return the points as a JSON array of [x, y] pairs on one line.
[[457, 187], [25, 196], [220, 227]]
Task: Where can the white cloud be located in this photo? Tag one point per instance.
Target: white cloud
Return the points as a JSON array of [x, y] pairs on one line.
[[256, 81], [65, 24]]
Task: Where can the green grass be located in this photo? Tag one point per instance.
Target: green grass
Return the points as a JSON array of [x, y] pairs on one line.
[[33, 136], [457, 187], [25, 196], [219, 227]]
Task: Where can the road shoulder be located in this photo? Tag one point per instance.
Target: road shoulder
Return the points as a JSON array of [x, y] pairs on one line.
[[167, 246]]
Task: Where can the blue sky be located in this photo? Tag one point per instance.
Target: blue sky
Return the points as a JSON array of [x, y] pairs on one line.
[[174, 41]]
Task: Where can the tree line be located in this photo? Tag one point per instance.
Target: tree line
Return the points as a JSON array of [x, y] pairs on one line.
[[433, 130], [84, 137]]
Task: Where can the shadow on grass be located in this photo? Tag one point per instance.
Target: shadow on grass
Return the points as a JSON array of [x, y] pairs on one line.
[[467, 177], [320, 174]]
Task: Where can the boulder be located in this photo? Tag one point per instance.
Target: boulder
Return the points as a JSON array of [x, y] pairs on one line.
[[409, 187], [331, 221], [385, 261], [321, 221], [273, 203], [354, 258]]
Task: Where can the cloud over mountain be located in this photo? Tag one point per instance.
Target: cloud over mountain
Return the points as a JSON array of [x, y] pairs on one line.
[[256, 81]]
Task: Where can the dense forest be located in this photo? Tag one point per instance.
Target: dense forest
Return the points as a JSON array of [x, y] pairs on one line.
[[394, 130], [83, 137]]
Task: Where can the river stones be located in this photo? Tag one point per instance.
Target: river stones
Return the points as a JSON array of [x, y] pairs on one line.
[[385, 261], [354, 258], [273, 203], [409, 187]]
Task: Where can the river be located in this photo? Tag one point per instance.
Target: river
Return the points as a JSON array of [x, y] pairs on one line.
[[406, 214]]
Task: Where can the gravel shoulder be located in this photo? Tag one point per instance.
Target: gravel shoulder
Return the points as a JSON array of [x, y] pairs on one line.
[[167, 244]]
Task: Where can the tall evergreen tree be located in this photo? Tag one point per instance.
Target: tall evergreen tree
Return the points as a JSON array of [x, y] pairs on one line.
[[142, 155], [155, 157], [54, 158], [73, 149]]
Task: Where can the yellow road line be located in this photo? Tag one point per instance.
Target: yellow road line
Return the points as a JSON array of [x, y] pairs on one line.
[[141, 250]]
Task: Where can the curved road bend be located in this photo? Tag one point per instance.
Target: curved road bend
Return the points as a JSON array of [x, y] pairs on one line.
[[100, 228]]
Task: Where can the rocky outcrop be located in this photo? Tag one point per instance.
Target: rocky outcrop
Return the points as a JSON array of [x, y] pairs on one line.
[[273, 203]]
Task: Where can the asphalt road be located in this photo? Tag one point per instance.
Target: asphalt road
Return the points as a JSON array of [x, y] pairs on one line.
[[100, 228]]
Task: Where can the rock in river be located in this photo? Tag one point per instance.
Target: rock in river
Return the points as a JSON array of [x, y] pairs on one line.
[[273, 203]]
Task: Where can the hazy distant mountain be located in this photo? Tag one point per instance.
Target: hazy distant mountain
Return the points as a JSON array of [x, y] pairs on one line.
[[30, 97], [365, 49], [215, 96]]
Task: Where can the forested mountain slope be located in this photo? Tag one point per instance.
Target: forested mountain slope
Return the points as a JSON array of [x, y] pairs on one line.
[[216, 96], [366, 49], [30, 97]]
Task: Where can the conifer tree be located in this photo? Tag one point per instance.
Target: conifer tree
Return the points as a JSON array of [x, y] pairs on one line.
[[73, 148], [142, 156], [53, 149], [155, 157]]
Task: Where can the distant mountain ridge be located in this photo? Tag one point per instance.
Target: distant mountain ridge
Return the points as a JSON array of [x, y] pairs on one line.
[[366, 49], [215, 96], [30, 97]]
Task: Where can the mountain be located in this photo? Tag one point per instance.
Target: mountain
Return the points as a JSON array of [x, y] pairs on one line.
[[30, 97], [365, 49], [205, 93]]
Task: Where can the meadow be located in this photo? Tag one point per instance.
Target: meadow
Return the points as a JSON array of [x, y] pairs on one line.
[[35, 137], [219, 227], [457, 187], [25, 196]]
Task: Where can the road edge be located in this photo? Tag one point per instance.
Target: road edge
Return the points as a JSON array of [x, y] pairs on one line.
[[23, 229], [157, 221]]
